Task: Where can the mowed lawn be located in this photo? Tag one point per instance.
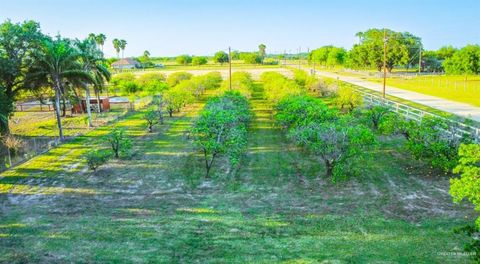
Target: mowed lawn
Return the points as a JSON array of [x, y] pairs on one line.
[[454, 88], [275, 208]]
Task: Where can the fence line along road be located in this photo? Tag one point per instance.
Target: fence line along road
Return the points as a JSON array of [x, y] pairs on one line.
[[412, 113]]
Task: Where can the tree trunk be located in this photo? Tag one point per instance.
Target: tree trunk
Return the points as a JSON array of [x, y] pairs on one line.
[[64, 109], [330, 166], [87, 103], [98, 101], [57, 113]]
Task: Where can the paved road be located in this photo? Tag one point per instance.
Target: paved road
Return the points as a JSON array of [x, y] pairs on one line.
[[456, 108]]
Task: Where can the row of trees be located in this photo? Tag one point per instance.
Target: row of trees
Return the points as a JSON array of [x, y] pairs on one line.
[[403, 49], [30, 60], [221, 128]]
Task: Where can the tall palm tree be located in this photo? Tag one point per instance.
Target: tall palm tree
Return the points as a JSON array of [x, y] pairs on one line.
[[116, 46], [54, 65], [92, 60], [92, 36], [100, 40], [123, 44]]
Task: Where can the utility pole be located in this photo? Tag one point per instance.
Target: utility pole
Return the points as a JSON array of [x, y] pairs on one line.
[[299, 59], [384, 61], [420, 60], [230, 67]]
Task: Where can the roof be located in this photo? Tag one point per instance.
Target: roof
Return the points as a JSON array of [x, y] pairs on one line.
[[126, 61]]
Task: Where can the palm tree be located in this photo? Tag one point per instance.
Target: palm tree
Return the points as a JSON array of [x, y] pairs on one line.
[[55, 65], [92, 62], [123, 44], [92, 36], [146, 54], [116, 46], [100, 40]]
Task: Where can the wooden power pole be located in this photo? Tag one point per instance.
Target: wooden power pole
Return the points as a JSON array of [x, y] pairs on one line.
[[420, 60], [230, 67], [384, 61]]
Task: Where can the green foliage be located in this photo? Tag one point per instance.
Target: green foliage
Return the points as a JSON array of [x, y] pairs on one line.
[[300, 77], [277, 87], [251, 58], [347, 99], [120, 143], [152, 118], [436, 141], [467, 186], [96, 158], [376, 115], [183, 59], [242, 82], [338, 144], [328, 56], [220, 57], [464, 61], [178, 96], [301, 110], [221, 128], [176, 77], [401, 48], [17, 42], [152, 83], [199, 60]]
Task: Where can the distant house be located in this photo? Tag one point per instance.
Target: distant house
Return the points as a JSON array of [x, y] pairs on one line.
[[127, 63]]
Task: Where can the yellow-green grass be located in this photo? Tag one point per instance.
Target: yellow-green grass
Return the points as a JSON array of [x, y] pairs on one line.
[[275, 207], [453, 88]]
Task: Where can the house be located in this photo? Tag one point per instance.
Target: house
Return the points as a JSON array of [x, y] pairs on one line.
[[82, 106], [127, 63]]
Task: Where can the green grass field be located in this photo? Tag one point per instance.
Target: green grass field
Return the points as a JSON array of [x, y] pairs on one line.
[[453, 88], [277, 208]]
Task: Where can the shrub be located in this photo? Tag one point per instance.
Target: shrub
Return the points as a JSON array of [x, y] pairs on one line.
[[242, 82], [176, 77], [199, 60], [96, 158], [301, 110], [300, 77], [436, 141], [376, 115], [183, 59], [347, 99], [277, 87], [119, 142]]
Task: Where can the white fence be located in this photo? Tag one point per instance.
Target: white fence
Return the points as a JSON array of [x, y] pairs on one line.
[[416, 114]]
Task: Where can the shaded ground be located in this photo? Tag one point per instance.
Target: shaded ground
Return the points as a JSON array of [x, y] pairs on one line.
[[276, 207]]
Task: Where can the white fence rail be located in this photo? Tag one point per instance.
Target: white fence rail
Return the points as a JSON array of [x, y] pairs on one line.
[[416, 114]]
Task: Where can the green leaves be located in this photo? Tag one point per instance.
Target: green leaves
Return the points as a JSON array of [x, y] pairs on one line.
[[464, 61], [221, 128], [468, 185]]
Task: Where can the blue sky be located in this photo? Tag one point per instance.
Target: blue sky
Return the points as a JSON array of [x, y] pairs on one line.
[[172, 27]]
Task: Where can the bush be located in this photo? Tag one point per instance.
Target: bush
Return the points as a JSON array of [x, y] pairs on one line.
[[183, 59], [347, 99], [176, 77], [242, 82], [96, 158], [199, 61], [277, 87], [436, 141], [302, 110], [376, 115], [119, 142]]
